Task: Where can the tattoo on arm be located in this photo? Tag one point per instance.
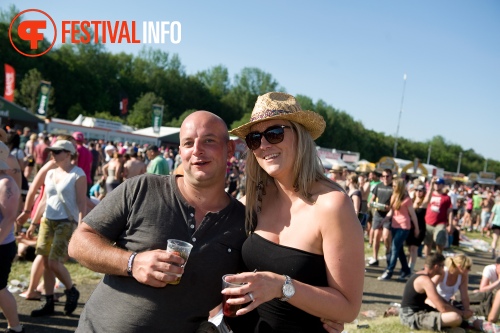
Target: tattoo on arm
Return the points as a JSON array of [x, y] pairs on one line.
[[9, 193]]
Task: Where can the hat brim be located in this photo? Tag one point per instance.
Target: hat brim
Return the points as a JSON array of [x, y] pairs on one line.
[[313, 123]]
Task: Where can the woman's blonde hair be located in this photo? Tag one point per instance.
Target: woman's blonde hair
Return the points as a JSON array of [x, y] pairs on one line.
[[307, 169], [398, 193], [460, 260], [353, 177]]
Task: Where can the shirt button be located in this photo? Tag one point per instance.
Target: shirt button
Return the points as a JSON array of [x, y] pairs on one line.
[[192, 226], [193, 239], [191, 214], [229, 250]]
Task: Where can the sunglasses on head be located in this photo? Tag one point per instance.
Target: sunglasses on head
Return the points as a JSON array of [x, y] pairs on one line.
[[273, 135], [57, 152]]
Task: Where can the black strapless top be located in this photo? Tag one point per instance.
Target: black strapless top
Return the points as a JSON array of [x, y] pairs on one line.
[[275, 315]]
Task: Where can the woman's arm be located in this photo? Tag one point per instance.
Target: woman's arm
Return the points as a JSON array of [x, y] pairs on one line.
[[9, 197], [342, 245], [485, 284], [33, 189], [464, 291]]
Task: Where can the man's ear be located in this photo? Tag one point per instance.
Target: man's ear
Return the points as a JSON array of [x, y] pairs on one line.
[[231, 148]]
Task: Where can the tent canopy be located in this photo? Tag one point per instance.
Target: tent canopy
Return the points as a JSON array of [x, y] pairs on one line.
[[168, 134], [12, 111]]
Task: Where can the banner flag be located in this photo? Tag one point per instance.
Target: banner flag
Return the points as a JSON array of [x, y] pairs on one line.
[[43, 98], [124, 106], [10, 83], [157, 117]]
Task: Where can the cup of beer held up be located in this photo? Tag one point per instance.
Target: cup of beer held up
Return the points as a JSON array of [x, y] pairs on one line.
[[229, 310], [181, 249]]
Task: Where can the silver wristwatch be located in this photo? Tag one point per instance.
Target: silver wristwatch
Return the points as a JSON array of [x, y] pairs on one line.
[[288, 289]]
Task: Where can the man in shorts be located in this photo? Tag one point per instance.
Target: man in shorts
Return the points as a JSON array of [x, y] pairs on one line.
[[380, 201], [438, 216], [415, 313]]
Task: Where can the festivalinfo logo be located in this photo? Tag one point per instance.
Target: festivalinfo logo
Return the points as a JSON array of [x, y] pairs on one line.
[[40, 25]]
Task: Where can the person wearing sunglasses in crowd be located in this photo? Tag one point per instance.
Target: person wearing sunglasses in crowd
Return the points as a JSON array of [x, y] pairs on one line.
[[380, 202], [65, 203], [305, 244]]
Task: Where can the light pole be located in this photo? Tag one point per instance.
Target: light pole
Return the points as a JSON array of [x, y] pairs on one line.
[[459, 161], [429, 154], [399, 119]]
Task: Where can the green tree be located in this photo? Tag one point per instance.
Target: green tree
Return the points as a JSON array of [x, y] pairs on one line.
[[29, 91], [142, 111], [216, 79]]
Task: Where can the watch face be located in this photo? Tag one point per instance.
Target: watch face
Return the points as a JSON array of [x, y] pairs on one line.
[[288, 290]]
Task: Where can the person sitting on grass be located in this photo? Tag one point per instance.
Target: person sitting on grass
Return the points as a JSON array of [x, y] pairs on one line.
[[415, 313]]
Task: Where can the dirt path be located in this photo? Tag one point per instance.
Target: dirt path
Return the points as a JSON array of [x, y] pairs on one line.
[[376, 298]]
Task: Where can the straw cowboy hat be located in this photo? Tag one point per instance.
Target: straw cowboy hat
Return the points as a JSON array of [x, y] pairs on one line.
[[277, 105]]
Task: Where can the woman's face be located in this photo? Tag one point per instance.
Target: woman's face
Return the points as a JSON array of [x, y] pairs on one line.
[[278, 158]]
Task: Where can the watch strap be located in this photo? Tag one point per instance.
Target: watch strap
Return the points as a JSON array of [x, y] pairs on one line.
[[288, 280]]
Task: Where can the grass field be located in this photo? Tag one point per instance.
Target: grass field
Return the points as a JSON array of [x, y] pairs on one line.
[[82, 275]]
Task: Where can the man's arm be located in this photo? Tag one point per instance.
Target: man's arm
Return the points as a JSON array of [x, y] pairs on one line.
[[428, 195], [97, 253], [424, 283], [485, 284]]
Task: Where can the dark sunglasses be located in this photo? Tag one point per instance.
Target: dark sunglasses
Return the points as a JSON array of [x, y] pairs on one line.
[[273, 135], [57, 152]]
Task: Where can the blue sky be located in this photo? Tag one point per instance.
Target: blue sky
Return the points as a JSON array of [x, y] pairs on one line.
[[351, 54]]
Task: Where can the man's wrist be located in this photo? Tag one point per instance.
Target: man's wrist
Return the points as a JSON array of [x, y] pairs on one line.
[[130, 263]]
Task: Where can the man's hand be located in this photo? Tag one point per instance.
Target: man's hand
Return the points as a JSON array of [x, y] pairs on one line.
[[157, 268]]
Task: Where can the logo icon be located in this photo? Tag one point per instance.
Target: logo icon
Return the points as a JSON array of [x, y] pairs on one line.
[[31, 31]]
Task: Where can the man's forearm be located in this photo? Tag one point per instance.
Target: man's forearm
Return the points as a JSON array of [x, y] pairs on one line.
[[97, 253]]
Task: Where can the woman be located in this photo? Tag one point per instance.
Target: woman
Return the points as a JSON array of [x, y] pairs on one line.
[[494, 224], [467, 225], [29, 151], [414, 242], [403, 215], [305, 244], [455, 277], [65, 201], [113, 172], [9, 197], [354, 193]]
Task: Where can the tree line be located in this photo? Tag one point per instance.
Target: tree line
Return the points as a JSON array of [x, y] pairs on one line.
[[86, 79]]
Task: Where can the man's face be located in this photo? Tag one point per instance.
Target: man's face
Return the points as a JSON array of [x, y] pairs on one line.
[[386, 178], [204, 148]]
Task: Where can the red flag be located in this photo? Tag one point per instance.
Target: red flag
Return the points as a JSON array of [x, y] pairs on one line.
[[10, 83], [124, 106]]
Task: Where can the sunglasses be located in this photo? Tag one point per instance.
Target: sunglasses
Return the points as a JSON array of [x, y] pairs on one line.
[[273, 135], [57, 152]]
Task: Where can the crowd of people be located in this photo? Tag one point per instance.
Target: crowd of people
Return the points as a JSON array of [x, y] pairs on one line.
[[113, 206]]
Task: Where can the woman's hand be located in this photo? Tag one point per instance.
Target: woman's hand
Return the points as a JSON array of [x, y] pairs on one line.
[[30, 231], [258, 288], [332, 326]]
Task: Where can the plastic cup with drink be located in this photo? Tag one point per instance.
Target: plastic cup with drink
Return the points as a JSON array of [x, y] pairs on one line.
[[182, 249]]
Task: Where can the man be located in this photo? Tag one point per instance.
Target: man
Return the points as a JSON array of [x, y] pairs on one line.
[[96, 160], [25, 137], [374, 180], [84, 158], [41, 152], [380, 201], [157, 165], [133, 167], [415, 313], [194, 208], [337, 176], [438, 216]]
